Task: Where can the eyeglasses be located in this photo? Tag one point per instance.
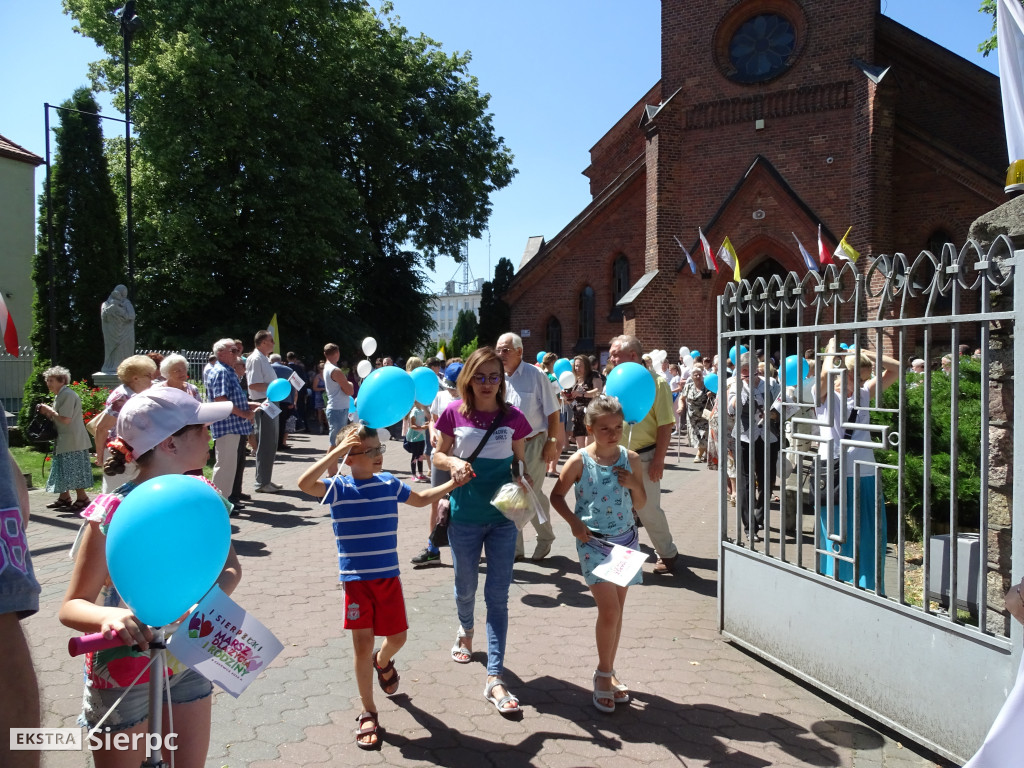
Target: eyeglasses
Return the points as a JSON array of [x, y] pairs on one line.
[[370, 454], [234, 350], [483, 378], [505, 350]]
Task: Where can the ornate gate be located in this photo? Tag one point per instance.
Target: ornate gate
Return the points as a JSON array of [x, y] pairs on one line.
[[888, 594]]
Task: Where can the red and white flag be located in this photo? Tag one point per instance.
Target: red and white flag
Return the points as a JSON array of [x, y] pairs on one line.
[[7, 326], [824, 257], [708, 257]]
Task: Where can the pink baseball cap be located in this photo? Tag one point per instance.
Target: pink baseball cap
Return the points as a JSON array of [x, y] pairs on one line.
[[151, 416]]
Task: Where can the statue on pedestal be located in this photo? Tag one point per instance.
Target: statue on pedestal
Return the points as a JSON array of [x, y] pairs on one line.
[[118, 318]]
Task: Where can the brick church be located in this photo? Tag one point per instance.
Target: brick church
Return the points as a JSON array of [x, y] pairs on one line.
[[771, 116]]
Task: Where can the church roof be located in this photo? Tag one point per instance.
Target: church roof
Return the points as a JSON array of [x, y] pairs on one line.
[[14, 151]]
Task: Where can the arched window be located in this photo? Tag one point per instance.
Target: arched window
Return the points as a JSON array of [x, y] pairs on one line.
[[586, 318], [620, 278], [937, 239], [553, 336]]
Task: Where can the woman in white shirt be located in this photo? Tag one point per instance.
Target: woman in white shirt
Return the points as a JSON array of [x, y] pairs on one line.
[[835, 409]]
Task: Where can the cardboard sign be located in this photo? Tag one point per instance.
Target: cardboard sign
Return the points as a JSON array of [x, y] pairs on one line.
[[620, 566], [223, 643]]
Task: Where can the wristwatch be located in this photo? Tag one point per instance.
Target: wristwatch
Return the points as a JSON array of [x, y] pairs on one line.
[[552, 439]]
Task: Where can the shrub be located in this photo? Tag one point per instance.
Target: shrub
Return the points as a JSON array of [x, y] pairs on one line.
[[93, 399], [968, 468]]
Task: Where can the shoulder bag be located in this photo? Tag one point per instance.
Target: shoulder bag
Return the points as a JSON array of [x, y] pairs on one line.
[[439, 536]]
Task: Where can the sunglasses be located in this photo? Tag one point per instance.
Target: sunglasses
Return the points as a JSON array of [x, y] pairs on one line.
[[483, 378], [372, 453]]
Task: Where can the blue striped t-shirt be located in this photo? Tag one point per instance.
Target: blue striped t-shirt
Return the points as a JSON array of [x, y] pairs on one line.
[[364, 515]]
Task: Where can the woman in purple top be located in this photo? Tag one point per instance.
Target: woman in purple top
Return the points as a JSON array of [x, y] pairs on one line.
[[474, 523]]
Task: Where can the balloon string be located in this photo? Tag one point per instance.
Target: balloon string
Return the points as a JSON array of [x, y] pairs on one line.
[[323, 499]]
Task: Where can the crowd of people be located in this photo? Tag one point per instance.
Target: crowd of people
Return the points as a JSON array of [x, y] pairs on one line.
[[496, 419]]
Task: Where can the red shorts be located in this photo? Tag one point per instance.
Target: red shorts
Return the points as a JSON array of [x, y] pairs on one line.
[[377, 604]]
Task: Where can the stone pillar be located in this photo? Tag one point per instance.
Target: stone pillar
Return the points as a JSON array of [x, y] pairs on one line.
[[1007, 219]]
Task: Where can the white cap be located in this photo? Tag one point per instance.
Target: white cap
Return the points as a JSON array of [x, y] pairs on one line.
[[151, 416]]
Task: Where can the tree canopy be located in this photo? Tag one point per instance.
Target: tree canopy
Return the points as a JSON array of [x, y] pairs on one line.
[[989, 44], [495, 315], [304, 157]]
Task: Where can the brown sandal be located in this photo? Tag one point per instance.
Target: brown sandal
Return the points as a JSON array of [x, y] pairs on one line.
[[382, 673], [374, 730]]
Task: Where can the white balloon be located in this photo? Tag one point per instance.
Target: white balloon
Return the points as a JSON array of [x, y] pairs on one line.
[[566, 379], [369, 345], [687, 362], [364, 368], [684, 352]]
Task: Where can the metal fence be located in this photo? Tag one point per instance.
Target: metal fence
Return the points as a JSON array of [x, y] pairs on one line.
[[14, 372], [887, 594]]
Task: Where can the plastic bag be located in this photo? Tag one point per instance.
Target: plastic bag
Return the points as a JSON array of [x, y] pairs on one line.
[[518, 502]]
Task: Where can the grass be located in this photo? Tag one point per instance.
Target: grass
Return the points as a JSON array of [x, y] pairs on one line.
[[31, 461]]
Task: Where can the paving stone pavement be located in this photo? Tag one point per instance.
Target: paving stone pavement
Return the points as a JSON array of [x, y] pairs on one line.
[[698, 700]]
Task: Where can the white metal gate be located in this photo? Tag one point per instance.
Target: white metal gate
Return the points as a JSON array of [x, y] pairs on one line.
[[909, 628]]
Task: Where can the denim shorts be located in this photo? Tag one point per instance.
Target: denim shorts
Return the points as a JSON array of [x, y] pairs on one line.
[[185, 687]]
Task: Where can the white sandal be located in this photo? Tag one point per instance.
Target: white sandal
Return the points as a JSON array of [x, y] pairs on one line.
[[461, 654], [621, 688], [499, 704], [603, 693]]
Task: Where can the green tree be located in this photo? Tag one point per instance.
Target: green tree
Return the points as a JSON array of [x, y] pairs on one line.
[[87, 250], [465, 330], [495, 314], [306, 158], [938, 475], [988, 45]]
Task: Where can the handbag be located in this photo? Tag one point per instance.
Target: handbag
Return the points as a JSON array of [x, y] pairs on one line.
[[831, 481], [41, 429], [439, 536]]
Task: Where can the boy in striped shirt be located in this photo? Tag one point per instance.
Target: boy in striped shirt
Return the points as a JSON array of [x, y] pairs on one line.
[[364, 515]]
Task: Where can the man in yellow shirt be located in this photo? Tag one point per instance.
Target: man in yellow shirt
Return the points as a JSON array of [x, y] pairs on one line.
[[650, 438]]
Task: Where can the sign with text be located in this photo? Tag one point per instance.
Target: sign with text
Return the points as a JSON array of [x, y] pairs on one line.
[[223, 643]]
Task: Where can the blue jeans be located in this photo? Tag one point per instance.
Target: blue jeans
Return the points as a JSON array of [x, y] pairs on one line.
[[498, 542], [337, 420]]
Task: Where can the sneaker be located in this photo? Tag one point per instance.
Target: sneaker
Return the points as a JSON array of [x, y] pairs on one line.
[[268, 488], [426, 556], [422, 479]]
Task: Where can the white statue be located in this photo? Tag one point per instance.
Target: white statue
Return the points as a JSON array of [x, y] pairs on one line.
[[118, 318]]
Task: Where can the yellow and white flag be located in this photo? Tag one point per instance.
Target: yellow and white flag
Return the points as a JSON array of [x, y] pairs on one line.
[[728, 254], [273, 332], [846, 251], [1010, 37]]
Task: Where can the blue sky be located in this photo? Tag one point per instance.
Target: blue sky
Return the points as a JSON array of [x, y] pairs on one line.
[[560, 73]]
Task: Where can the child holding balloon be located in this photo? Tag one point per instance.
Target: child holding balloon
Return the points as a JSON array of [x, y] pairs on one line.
[[364, 514], [608, 487], [163, 430]]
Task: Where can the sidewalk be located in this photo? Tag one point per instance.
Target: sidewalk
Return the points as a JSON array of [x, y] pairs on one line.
[[698, 701]]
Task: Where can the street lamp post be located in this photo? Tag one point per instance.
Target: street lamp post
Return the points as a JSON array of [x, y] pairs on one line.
[[130, 24]]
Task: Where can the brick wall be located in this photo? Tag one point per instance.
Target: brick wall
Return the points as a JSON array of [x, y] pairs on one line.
[[845, 151]]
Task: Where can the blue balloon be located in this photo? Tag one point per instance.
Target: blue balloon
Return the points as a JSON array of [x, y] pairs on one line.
[[166, 546], [425, 384], [634, 386], [562, 365], [385, 397], [695, 354], [540, 356], [278, 390], [795, 371], [711, 382], [733, 353], [844, 346]]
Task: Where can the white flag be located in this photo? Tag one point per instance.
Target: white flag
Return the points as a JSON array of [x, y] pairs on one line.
[[1010, 36]]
